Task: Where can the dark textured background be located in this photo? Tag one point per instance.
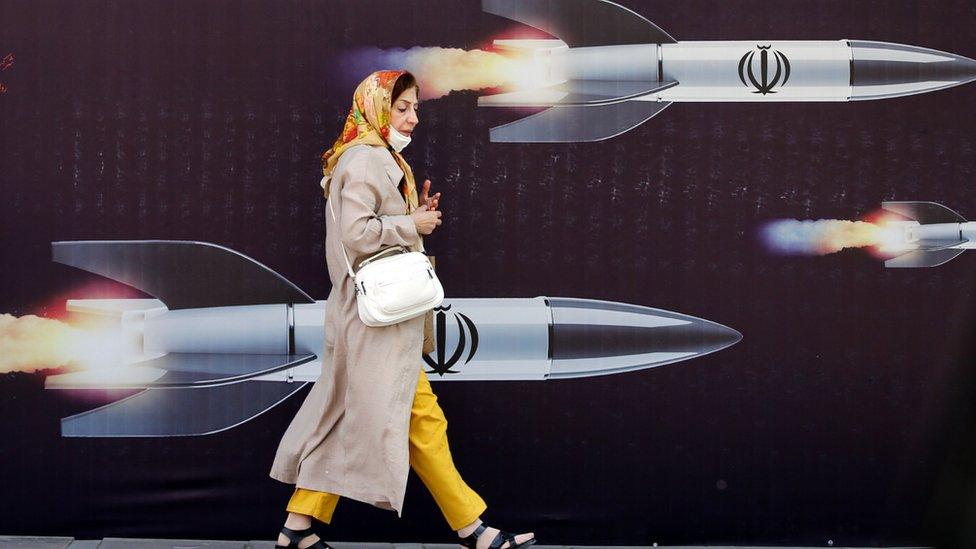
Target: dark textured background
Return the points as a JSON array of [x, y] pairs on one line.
[[845, 414]]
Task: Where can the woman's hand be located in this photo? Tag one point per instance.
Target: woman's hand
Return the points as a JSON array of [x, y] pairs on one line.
[[432, 201], [425, 220]]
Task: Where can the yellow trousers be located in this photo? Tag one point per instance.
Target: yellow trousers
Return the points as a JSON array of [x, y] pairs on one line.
[[430, 458]]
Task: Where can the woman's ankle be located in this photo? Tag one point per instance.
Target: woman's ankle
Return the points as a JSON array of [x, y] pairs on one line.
[[469, 529], [297, 521]]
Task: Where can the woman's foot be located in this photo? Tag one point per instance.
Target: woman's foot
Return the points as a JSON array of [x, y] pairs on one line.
[[307, 541], [488, 534], [298, 528]]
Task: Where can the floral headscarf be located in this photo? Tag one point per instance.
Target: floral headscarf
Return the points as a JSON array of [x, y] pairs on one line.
[[368, 123]]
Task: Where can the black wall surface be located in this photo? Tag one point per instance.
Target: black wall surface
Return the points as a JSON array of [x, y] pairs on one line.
[[845, 414]]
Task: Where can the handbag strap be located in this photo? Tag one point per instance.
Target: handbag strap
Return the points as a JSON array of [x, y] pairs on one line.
[[352, 275], [346, 257]]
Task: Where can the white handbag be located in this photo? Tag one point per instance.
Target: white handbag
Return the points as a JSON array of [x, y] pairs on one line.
[[393, 285]]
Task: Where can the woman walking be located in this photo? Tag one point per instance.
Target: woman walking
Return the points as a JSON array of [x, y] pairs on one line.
[[371, 415]]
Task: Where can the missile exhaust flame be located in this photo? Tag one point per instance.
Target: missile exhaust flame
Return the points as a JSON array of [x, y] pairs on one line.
[[30, 343], [827, 236], [442, 70]]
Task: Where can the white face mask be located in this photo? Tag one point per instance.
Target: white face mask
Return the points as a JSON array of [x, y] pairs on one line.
[[397, 140]]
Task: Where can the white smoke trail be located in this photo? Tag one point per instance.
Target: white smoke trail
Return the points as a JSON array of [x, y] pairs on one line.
[[31, 343], [820, 237]]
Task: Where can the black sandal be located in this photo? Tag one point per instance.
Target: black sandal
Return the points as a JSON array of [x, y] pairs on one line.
[[295, 536], [471, 541]]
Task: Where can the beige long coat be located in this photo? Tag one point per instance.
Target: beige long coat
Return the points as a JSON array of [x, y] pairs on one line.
[[350, 436]]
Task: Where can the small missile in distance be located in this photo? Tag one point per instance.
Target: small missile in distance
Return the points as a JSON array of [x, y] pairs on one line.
[[932, 235]]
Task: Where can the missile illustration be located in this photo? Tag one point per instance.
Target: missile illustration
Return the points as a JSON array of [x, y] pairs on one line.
[[610, 70], [933, 235], [225, 338]]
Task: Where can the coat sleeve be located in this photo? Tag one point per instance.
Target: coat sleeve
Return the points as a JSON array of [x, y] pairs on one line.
[[363, 231]]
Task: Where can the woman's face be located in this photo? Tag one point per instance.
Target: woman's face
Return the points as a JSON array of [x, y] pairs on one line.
[[403, 115]]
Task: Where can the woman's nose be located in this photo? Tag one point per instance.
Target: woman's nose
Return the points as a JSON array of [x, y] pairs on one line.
[[413, 118]]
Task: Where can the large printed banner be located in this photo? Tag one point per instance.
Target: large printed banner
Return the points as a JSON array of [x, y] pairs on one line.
[[703, 263]]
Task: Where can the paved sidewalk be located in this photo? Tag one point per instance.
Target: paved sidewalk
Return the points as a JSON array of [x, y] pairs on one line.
[[30, 542]]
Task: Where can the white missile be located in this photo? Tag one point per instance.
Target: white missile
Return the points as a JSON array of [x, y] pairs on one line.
[[932, 235], [610, 70], [226, 338]]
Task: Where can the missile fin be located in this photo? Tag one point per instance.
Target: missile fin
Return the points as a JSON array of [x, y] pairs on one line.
[[179, 370], [182, 274], [935, 245], [575, 124], [924, 212], [924, 258], [180, 412], [528, 46], [111, 308], [581, 23], [576, 92]]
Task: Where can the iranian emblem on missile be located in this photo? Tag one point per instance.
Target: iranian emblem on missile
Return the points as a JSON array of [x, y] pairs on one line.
[[440, 366], [763, 83]]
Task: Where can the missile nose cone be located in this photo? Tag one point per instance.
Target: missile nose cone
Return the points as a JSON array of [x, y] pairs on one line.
[[704, 336], [880, 70], [600, 337], [724, 336]]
